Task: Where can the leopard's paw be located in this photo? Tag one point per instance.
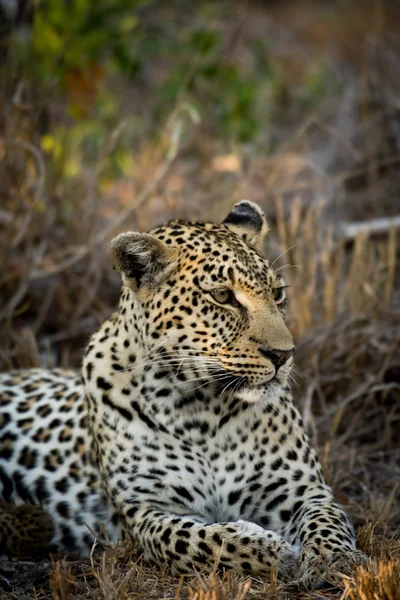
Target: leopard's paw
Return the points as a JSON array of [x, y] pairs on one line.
[[287, 564], [317, 570]]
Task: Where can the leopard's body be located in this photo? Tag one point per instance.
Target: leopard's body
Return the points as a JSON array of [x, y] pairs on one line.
[[184, 433], [45, 456]]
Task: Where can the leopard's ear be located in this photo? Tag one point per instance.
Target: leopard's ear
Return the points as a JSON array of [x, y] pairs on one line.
[[248, 221], [141, 258]]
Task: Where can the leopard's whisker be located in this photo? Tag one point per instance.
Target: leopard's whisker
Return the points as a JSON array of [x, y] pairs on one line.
[[227, 386], [296, 370], [168, 361], [239, 383], [211, 381], [156, 348], [283, 253], [287, 266]]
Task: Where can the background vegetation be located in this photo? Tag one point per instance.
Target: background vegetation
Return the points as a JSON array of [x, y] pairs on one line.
[[119, 114]]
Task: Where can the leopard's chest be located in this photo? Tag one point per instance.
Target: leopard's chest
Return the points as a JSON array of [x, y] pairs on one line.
[[220, 478]]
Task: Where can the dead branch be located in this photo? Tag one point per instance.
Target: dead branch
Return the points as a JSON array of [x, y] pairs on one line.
[[164, 167], [349, 231]]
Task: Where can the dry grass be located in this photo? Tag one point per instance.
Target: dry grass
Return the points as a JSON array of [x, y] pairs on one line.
[[323, 275], [56, 286], [348, 366], [379, 583], [118, 575]]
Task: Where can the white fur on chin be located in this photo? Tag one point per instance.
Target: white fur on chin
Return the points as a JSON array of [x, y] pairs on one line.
[[262, 392]]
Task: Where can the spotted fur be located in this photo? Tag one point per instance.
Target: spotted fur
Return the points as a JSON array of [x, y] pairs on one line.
[[184, 433]]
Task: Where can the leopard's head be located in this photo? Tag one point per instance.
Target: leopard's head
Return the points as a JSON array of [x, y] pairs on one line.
[[211, 306]]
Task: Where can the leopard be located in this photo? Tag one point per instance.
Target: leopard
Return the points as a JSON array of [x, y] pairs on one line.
[[181, 433]]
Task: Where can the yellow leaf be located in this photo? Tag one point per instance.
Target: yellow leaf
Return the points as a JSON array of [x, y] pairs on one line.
[[71, 168], [126, 163], [47, 143]]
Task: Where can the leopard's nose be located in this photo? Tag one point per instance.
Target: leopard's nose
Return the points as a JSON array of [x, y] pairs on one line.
[[277, 357]]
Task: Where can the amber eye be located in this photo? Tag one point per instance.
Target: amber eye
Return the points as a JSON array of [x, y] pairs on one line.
[[223, 296], [279, 295]]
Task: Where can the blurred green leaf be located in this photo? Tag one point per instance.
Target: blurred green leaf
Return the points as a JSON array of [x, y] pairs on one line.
[[261, 58], [315, 82], [128, 24], [204, 41], [46, 40]]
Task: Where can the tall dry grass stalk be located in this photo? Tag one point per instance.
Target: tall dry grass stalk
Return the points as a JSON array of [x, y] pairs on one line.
[[215, 588], [381, 547], [328, 275], [379, 582], [61, 580]]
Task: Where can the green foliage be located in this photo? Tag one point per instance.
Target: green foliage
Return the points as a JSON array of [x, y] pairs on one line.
[[74, 33], [77, 47], [205, 78]]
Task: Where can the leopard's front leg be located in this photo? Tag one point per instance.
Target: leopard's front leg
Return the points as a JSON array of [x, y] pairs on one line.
[[189, 542], [326, 536]]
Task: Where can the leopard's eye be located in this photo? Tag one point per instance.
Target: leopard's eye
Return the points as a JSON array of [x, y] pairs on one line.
[[279, 295], [223, 296]]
